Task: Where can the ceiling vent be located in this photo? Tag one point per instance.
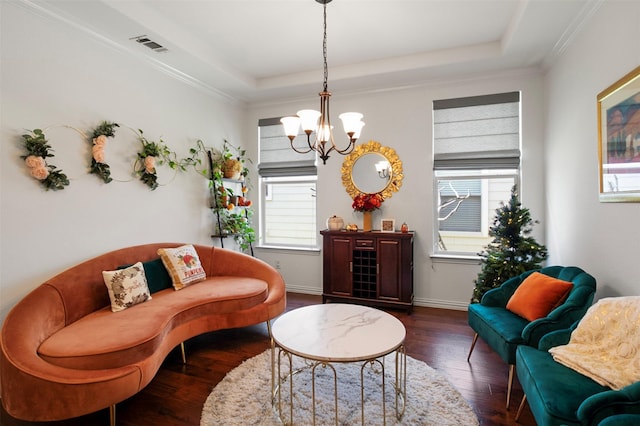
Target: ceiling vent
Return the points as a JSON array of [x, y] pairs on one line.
[[146, 41]]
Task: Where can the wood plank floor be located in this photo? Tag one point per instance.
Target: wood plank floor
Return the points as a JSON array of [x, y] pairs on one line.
[[439, 337]]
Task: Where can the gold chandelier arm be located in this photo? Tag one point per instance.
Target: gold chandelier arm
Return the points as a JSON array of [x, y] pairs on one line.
[[299, 151]]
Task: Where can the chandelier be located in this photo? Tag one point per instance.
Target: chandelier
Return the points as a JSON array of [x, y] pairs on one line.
[[320, 121]]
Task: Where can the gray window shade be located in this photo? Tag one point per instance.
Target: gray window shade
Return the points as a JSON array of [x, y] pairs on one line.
[[276, 157], [479, 132]]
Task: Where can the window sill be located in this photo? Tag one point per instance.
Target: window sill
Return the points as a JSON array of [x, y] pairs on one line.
[[293, 250], [467, 259]]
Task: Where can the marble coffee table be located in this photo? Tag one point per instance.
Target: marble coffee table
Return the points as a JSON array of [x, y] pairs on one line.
[[336, 333]]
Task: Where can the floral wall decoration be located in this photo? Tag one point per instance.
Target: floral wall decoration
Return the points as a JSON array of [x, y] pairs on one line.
[[99, 140], [38, 150], [151, 155], [157, 153]]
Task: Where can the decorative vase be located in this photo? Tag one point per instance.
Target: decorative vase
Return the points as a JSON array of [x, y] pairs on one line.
[[367, 218], [335, 223]]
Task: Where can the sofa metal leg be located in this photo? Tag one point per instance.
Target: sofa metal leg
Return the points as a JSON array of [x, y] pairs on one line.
[[112, 415], [524, 399], [184, 355], [473, 345], [512, 368]]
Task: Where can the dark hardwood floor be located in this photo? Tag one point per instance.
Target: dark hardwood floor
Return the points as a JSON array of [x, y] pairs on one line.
[[439, 337]]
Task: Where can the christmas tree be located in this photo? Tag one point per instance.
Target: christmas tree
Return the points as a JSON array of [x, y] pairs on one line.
[[512, 251]]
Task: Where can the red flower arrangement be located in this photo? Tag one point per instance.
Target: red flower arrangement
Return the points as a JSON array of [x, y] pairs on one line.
[[367, 202]]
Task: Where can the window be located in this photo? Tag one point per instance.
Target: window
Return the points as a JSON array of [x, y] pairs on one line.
[[287, 190], [476, 162]]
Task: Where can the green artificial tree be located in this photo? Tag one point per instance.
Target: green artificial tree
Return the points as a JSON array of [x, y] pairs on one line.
[[512, 251]]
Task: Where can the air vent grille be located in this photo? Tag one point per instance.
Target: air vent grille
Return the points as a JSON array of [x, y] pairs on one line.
[[146, 41]]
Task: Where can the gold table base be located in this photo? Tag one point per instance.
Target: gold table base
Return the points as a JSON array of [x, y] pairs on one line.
[[278, 380]]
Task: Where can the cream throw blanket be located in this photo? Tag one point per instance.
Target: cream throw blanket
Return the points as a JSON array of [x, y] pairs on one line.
[[605, 346]]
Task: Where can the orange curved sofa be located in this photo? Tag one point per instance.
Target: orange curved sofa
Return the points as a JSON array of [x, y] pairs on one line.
[[64, 353]]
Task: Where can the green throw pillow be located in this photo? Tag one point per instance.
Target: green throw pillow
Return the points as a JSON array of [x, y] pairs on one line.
[[157, 276]]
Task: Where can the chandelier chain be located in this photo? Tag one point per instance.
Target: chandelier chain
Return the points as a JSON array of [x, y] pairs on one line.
[[320, 121], [324, 48]]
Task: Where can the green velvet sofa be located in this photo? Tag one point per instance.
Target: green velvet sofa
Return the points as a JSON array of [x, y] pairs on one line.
[[558, 395], [504, 331]]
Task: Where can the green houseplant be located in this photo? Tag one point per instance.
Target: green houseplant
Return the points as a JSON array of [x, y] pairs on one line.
[[232, 209]]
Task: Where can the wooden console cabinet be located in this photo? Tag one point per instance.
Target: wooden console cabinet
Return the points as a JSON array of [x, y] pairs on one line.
[[369, 268]]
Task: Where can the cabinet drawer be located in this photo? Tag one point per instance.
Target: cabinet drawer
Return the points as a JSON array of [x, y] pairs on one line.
[[364, 243]]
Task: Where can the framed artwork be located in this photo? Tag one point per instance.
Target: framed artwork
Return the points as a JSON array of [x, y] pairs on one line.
[[388, 225], [619, 140]]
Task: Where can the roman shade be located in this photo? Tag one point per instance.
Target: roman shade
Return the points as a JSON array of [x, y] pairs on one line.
[[478, 132], [276, 158]]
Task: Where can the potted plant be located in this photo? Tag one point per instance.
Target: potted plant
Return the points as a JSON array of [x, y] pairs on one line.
[[231, 207], [230, 162]]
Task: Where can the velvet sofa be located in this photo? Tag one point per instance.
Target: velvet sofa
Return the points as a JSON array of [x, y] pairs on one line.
[[504, 331], [559, 395], [64, 353]]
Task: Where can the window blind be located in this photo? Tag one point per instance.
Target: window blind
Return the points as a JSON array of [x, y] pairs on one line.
[[277, 158], [478, 132]]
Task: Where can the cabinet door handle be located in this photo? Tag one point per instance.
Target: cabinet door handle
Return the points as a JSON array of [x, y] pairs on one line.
[[350, 266], [377, 268]]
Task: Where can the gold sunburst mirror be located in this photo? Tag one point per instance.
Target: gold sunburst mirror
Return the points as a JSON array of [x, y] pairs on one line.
[[372, 168]]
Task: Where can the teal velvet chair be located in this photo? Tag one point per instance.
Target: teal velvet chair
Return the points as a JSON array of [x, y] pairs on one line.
[[621, 420], [504, 331], [558, 395]]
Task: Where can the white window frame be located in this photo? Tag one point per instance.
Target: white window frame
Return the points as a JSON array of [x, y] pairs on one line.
[[481, 140], [282, 164], [486, 212], [265, 195]]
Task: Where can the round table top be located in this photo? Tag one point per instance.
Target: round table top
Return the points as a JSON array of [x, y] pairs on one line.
[[337, 332]]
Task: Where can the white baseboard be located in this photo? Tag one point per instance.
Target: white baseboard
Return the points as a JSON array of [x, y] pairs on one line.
[[428, 303], [442, 304], [303, 290]]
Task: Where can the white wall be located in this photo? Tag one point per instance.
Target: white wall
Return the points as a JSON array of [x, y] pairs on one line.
[[401, 119], [600, 237], [53, 75]]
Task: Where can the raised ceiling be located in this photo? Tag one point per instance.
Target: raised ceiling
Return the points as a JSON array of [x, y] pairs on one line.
[[255, 50]]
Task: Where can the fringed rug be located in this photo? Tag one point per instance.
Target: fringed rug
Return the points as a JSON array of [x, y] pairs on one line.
[[243, 397]]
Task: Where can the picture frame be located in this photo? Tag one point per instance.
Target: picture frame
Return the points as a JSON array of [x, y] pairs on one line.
[[619, 140], [388, 225]]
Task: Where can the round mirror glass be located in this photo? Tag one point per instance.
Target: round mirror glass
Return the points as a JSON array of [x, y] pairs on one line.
[[371, 173], [372, 168]]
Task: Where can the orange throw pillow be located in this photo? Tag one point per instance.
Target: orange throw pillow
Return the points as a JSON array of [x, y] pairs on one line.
[[538, 295]]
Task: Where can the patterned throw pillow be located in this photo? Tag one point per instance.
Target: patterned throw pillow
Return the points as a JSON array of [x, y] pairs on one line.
[[126, 287], [183, 265]]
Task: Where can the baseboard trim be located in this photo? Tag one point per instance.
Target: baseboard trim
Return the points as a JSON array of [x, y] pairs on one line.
[[417, 301], [442, 304]]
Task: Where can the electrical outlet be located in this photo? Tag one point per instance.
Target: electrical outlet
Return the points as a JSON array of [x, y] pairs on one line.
[[277, 266]]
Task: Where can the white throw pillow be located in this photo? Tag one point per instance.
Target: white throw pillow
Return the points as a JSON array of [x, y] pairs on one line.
[[126, 287], [183, 265]]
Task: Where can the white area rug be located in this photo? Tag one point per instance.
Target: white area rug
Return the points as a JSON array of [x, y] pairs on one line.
[[243, 397]]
